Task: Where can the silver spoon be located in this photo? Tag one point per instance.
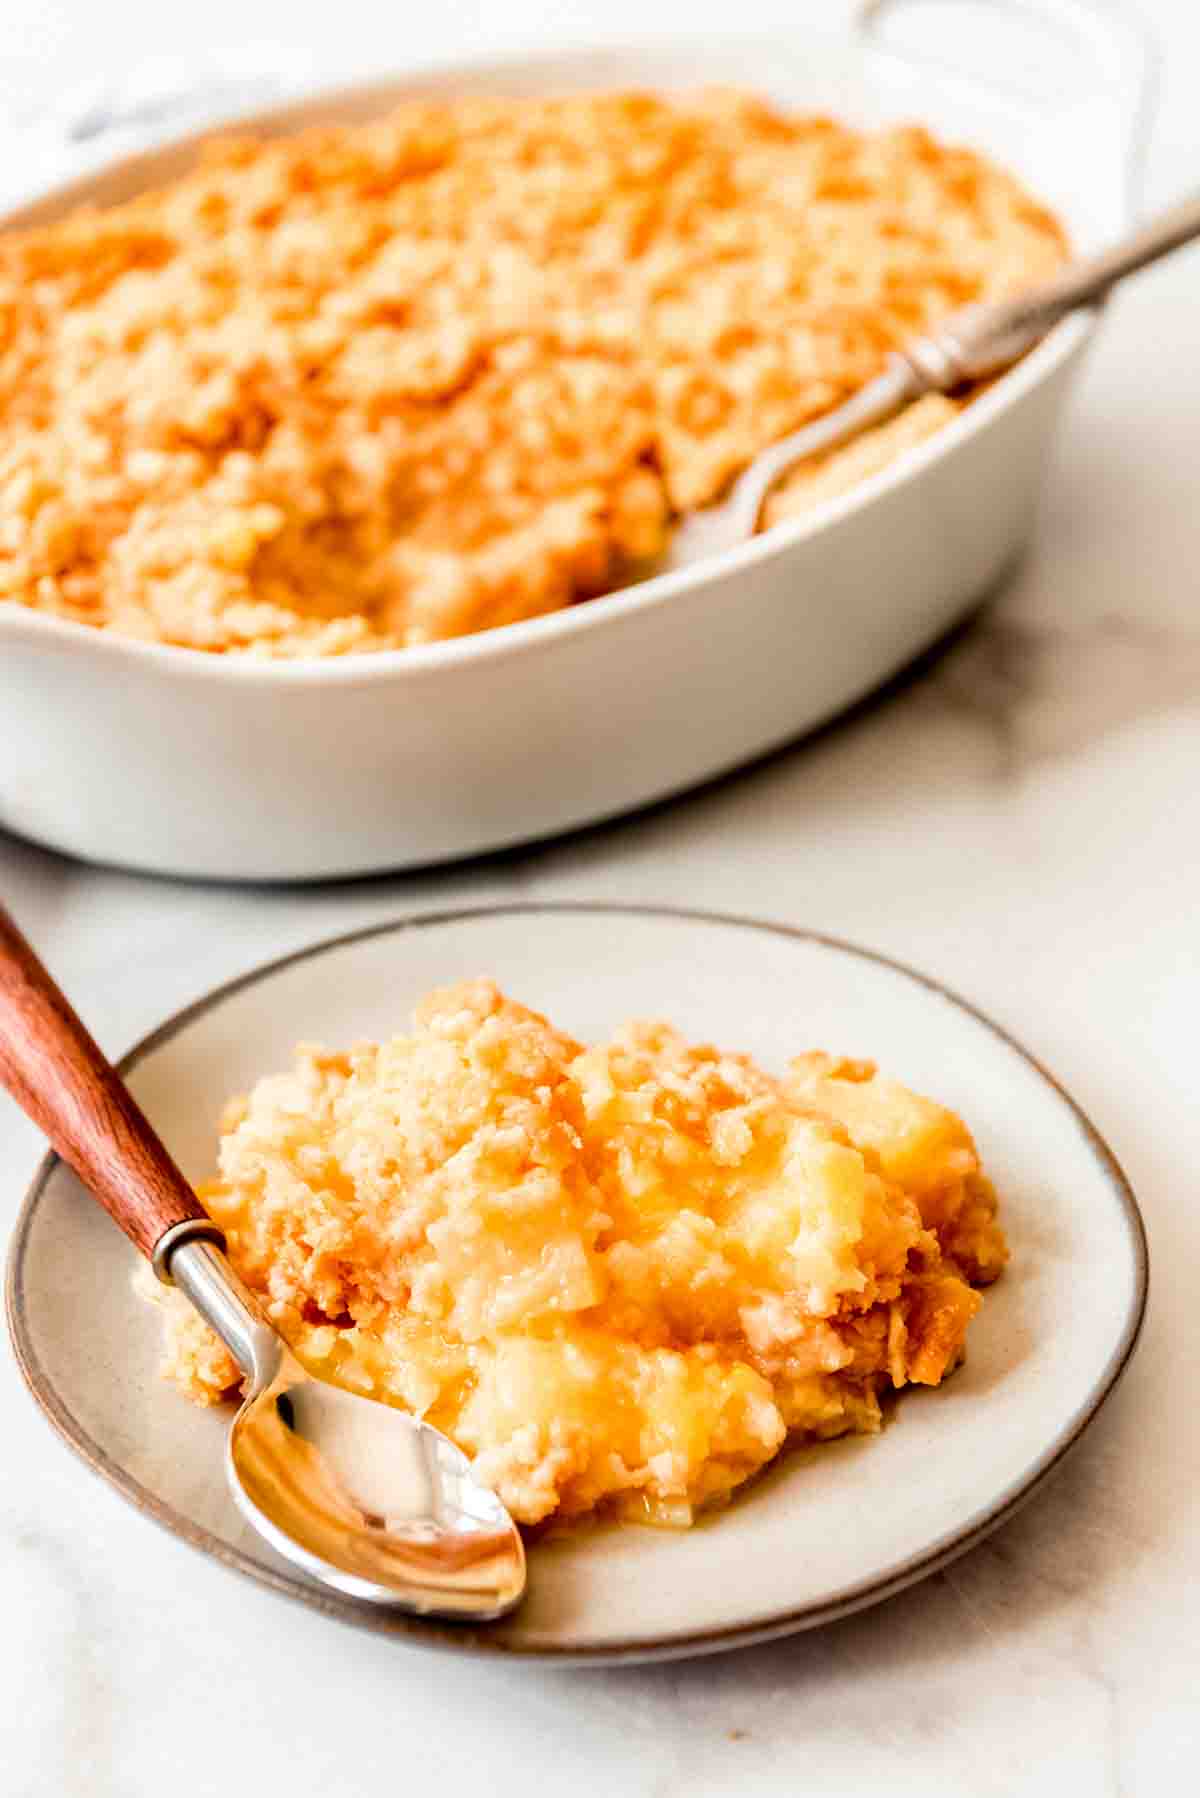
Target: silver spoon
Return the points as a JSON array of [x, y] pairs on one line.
[[362, 1496], [971, 344]]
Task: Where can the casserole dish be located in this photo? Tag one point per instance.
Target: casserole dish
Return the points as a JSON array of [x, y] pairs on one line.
[[178, 762]]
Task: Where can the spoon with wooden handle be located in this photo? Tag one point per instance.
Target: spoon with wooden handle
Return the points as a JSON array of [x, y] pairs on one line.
[[360, 1495]]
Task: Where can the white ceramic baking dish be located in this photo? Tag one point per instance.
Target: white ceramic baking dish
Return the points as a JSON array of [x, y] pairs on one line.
[[173, 761]]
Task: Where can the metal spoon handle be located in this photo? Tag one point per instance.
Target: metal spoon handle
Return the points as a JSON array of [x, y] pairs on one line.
[[61, 1078], [980, 340], [1091, 278], [972, 343]]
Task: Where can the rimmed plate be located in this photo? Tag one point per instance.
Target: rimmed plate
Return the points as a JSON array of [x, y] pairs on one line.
[[830, 1529]]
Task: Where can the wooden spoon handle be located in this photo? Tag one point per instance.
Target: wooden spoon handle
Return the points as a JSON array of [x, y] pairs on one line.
[[62, 1079]]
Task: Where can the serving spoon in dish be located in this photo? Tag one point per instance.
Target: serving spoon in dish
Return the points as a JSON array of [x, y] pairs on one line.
[[361, 1496], [973, 343]]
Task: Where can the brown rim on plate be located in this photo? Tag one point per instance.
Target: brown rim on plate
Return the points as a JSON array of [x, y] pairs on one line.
[[481, 1640]]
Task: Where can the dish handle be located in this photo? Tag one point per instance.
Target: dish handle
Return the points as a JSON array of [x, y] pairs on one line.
[[1111, 50]]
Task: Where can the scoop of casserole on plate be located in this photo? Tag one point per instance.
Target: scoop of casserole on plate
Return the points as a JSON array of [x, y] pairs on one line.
[[620, 1276]]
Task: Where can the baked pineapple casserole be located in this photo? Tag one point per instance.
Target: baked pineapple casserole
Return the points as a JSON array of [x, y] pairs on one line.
[[619, 1276], [374, 386]]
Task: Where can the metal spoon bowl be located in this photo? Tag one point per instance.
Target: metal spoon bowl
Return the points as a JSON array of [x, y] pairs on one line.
[[360, 1495]]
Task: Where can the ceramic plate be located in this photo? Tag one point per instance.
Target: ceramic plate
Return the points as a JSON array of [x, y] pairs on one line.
[[828, 1529]]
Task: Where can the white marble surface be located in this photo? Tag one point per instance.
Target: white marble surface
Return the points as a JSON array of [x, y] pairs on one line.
[[1021, 817]]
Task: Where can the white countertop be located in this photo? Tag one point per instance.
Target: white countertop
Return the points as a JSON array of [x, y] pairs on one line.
[[1020, 817]]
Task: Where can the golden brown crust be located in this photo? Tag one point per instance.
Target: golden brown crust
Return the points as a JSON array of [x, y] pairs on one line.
[[378, 385]]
